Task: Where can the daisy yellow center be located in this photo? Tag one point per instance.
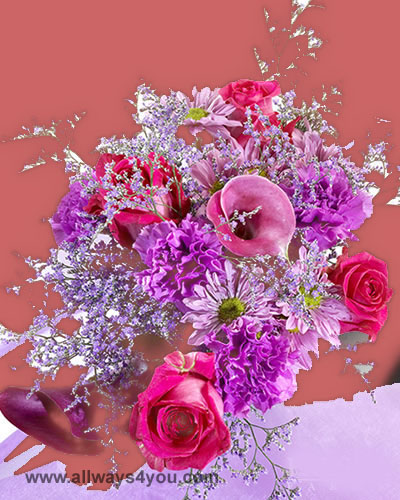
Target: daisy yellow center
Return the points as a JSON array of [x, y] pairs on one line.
[[230, 309], [261, 173], [217, 186], [310, 301], [196, 114]]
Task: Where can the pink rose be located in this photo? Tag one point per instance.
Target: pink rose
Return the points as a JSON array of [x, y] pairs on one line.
[[268, 231], [127, 224], [243, 93], [177, 422], [364, 281]]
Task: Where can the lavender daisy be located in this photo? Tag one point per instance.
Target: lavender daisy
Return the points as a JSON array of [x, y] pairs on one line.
[[219, 165], [255, 365], [208, 111], [310, 309], [322, 321], [215, 170], [223, 299], [311, 144]]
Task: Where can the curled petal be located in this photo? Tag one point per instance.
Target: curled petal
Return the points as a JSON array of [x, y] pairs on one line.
[[39, 418]]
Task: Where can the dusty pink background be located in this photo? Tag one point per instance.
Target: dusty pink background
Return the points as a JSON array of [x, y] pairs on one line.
[[61, 58]]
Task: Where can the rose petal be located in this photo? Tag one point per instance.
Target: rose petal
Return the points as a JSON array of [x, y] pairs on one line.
[[105, 159], [201, 363]]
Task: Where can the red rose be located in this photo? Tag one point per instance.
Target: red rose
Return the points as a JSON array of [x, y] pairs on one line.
[[245, 93], [364, 280], [178, 420], [170, 205]]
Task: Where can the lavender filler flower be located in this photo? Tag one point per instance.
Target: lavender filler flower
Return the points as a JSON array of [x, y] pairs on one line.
[[254, 365], [307, 303]]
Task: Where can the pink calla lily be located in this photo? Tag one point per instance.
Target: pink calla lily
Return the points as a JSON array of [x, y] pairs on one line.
[[268, 232]]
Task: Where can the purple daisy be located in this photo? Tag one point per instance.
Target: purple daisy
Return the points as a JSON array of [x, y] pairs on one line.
[[223, 298], [208, 111], [177, 258], [255, 365], [310, 312], [311, 144], [70, 220], [217, 167], [214, 171], [325, 324]]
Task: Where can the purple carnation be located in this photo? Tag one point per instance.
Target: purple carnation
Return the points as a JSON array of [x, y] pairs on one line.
[[70, 220], [177, 258], [323, 196], [254, 365]]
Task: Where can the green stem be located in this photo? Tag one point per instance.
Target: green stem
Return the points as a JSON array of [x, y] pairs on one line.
[[273, 465]]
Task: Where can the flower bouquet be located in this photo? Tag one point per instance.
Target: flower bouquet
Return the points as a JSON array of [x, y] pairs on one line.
[[221, 227]]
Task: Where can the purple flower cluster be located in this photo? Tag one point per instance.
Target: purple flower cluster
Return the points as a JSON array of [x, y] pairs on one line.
[[177, 258], [254, 365], [230, 237], [98, 290], [328, 208], [70, 220], [324, 200]]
